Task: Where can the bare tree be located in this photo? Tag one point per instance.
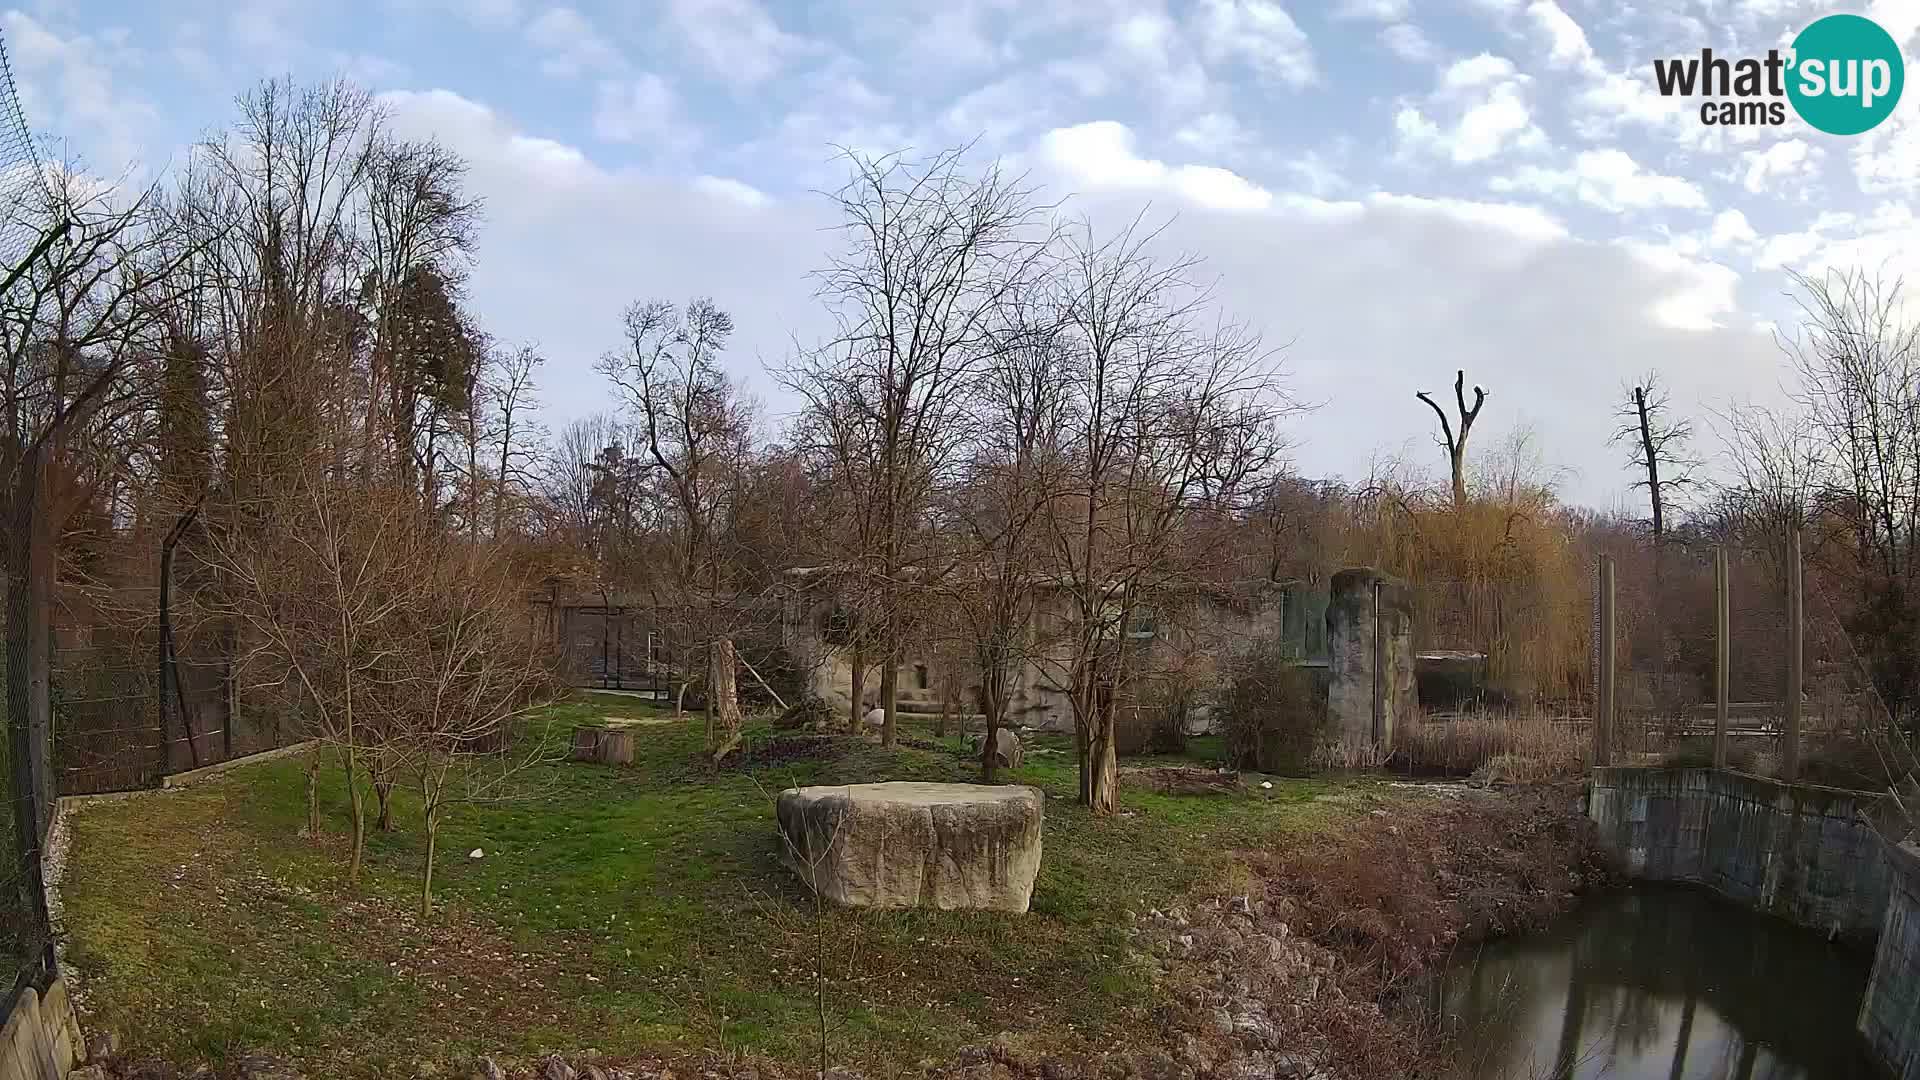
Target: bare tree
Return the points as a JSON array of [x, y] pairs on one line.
[[1018, 413], [1166, 413], [930, 252], [1659, 447], [696, 430], [1456, 444], [512, 395], [457, 682]]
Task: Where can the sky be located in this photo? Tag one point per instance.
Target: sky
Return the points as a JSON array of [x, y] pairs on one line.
[[1389, 190]]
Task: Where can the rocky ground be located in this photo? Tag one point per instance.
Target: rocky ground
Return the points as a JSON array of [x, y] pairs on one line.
[[1306, 971]]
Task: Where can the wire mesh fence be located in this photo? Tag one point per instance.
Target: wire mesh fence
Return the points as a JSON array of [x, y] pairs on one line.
[[1695, 642]]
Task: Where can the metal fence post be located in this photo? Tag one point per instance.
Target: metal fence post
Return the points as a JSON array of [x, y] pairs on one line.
[[1604, 705], [1722, 654], [1796, 658]]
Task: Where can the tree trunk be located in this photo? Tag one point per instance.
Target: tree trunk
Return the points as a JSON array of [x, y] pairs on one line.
[[1103, 793], [858, 689], [313, 795], [947, 690], [426, 872], [990, 708], [723, 702], [889, 692], [383, 795]]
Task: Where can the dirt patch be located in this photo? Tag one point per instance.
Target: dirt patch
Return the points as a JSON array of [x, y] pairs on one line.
[[1180, 780], [788, 750]]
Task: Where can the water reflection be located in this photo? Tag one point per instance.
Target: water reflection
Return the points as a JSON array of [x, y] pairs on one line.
[[1662, 984]]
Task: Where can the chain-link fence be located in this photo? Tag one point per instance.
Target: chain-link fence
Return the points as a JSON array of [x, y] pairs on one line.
[[25, 931], [1705, 636]]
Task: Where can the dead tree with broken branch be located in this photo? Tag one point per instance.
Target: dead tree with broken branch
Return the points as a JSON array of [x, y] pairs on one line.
[[1456, 444]]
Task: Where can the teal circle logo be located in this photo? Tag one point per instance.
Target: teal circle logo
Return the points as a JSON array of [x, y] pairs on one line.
[[1846, 74]]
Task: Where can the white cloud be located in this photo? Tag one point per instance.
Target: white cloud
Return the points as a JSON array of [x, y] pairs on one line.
[[1260, 33], [640, 109], [1888, 157], [1407, 42], [1484, 69], [1778, 165], [1731, 230], [1100, 154], [1526, 224], [1566, 41], [571, 44], [735, 39], [1377, 10], [1696, 295], [744, 194], [1216, 133], [68, 86], [1610, 180], [1485, 129]]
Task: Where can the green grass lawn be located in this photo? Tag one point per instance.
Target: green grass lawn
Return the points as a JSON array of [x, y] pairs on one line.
[[628, 910]]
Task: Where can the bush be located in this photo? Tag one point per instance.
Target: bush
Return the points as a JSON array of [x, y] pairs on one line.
[[804, 712], [1270, 717], [1515, 746], [1155, 723]]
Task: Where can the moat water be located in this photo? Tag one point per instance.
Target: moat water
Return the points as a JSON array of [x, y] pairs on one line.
[[1660, 983]]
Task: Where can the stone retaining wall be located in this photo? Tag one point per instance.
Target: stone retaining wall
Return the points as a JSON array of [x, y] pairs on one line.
[[41, 1039], [1890, 1014], [1800, 852], [1804, 853]]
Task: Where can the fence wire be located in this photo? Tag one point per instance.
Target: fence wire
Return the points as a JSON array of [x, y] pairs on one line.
[[25, 932]]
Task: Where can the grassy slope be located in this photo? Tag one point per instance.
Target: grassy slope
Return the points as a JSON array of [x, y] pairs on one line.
[[619, 909]]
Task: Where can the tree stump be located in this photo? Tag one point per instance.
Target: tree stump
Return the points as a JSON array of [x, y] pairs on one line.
[[586, 743], [616, 747], [723, 699]]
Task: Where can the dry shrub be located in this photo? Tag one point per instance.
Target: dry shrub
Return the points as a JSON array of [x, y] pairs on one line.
[[1394, 895], [1336, 940], [1516, 747], [1271, 718]]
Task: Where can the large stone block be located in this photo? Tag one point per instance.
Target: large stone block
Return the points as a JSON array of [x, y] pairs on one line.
[[1370, 656], [905, 844]]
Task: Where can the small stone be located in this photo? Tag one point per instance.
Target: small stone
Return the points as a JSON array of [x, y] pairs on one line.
[[1292, 1067], [556, 1068], [262, 1067], [1266, 785], [485, 1069], [1220, 1020], [103, 1045]]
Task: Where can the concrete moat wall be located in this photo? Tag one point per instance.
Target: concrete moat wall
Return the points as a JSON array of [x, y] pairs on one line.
[[1804, 853], [1890, 1015], [40, 1038], [1800, 852]]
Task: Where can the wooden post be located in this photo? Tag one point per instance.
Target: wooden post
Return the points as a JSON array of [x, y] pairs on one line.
[[1604, 705], [1796, 657], [1722, 655]]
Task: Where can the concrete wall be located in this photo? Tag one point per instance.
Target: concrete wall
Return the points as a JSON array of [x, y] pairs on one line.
[[1890, 1014], [1369, 625], [1797, 851], [41, 1039]]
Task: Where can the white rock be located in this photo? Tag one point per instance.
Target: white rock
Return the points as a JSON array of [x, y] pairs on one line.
[[906, 844], [476, 853], [1266, 785]]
